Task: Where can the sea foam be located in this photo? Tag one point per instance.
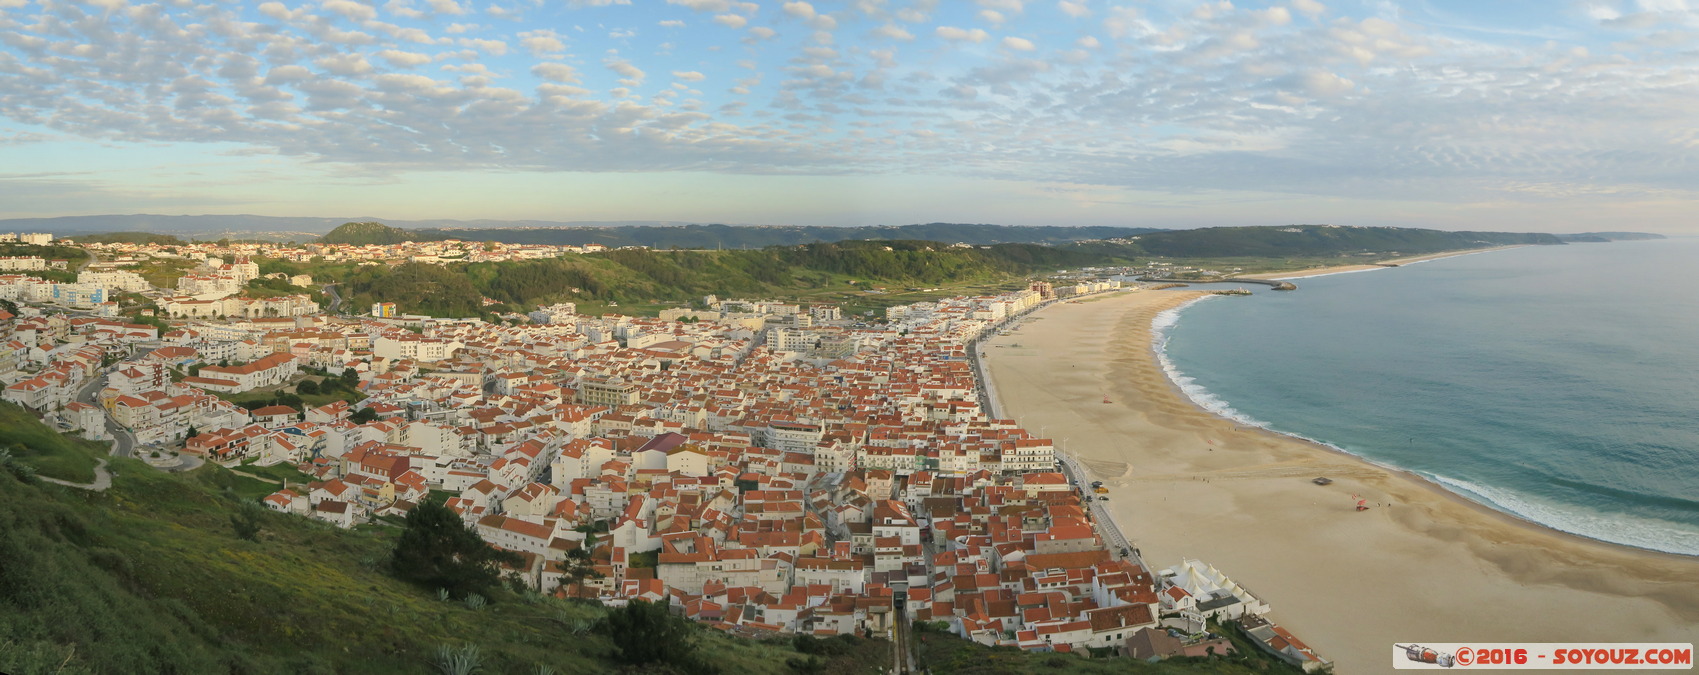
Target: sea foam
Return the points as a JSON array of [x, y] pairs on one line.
[[1616, 528], [1203, 398], [1628, 530]]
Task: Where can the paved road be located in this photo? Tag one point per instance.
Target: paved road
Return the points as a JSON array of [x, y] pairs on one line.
[[335, 299], [123, 442]]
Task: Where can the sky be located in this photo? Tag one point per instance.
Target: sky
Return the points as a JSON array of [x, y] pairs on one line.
[[1516, 115]]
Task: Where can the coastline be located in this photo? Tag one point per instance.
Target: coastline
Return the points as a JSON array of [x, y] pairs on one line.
[[1383, 265], [1433, 566]]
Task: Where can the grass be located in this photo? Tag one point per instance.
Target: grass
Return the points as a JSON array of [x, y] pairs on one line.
[[164, 272], [948, 655], [51, 454], [150, 577]]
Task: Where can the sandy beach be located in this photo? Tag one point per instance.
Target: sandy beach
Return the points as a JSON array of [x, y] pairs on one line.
[[1423, 565], [1382, 264]]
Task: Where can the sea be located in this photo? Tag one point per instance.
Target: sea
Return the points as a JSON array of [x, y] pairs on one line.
[[1559, 384]]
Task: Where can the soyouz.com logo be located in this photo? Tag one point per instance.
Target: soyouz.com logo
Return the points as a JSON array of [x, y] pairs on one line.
[[1542, 656]]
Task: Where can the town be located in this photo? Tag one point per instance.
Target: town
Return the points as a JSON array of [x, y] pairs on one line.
[[761, 467]]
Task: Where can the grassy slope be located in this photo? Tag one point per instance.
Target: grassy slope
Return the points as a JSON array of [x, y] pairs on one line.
[[52, 454], [148, 577], [947, 655]]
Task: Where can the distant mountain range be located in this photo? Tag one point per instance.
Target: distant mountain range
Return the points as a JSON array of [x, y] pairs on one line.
[[731, 236], [652, 233], [1599, 237]]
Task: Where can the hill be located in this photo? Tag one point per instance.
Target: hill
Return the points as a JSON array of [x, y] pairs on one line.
[[129, 238], [1321, 240], [1595, 237], [149, 577], [709, 237], [748, 236], [831, 271], [654, 276], [368, 233]]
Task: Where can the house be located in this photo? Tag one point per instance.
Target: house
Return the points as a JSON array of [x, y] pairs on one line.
[[275, 416]]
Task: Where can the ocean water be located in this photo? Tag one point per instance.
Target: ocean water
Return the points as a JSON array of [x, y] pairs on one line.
[[1556, 383]]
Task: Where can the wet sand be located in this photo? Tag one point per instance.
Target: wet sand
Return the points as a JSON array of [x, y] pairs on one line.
[[1423, 565]]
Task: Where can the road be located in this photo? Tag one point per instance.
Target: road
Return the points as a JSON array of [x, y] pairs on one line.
[[335, 299]]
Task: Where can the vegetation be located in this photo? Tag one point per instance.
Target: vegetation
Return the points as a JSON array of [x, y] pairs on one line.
[[726, 236], [149, 576], [51, 454], [647, 634], [416, 288], [438, 551], [946, 654], [363, 234], [164, 272], [129, 238]]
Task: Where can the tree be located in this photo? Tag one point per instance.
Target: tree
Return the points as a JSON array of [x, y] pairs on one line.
[[578, 566], [246, 522], [307, 387], [438, 551], [647, 634], [363, 416]]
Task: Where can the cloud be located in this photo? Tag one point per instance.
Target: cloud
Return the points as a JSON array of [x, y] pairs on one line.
[[624, 69], [715, 5], [893, 32], [352, 10], [759, 33], [401, 59], [961, 34], [493, 47], [541, 43], [1319, 83], [344, 64], [556, 72], [731, 20], [446, 7], [1019, 44], [1359, 104]]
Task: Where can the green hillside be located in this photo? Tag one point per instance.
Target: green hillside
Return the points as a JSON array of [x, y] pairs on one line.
[[649, 276], [362, 234], [836, 271], [728, 236], [130, 238]]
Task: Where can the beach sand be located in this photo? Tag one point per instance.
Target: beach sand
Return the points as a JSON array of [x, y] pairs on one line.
[[1423, 565]]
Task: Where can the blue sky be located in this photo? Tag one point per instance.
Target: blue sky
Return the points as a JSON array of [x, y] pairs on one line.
[[1512, 114]]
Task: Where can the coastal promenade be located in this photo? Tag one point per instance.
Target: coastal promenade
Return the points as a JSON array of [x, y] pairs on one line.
[[1189, 484], [1101, 517]]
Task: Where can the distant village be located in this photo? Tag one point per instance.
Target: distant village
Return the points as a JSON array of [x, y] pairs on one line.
[[761, 467]]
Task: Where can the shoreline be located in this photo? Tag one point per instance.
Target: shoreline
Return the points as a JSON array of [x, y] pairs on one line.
[[1370, 267], [1158, 340], [1435, 565]]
